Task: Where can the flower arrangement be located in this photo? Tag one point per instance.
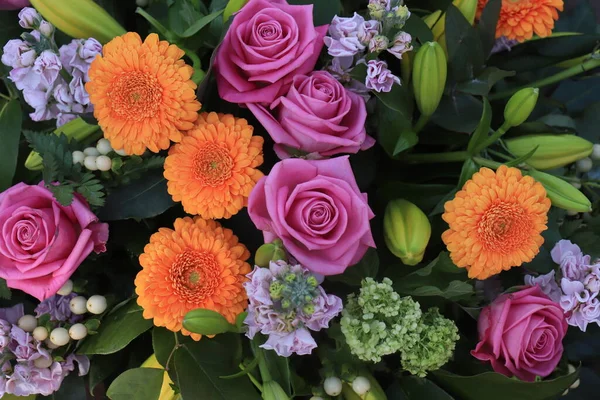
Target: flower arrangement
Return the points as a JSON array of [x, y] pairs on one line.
[[279, 199]]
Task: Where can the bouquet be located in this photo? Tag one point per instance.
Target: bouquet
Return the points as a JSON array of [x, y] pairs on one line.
[[278, 199]]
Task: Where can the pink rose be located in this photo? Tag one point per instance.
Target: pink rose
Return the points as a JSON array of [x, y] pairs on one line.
[[317, 210], [317, 115], [13, 4], [42, 242], [267, 44], [521, 334]]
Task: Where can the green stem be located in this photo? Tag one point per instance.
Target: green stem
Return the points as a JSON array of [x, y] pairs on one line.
[[487, 163], [423, 119], [199, 74], [492, 139], [567, 73], [432, 158], [498, 154], [5, 97], [254, 381]]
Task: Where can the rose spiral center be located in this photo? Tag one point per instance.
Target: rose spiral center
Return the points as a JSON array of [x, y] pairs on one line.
[[504, 226], [135, 96], [194, 275], [213, 164], [270, 30]]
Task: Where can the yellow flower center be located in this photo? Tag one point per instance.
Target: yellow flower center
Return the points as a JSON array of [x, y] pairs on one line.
[[195, 275], [135, 96], [213, 164]]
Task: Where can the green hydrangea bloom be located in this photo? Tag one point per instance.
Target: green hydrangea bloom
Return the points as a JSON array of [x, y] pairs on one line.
[[379, 322], [435, 346]]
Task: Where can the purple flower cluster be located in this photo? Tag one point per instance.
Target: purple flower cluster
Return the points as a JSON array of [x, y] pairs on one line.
[[285, 302], [52, 80], [27, 366], [350, 38], [59, 309], [579, 285], [502, 44]]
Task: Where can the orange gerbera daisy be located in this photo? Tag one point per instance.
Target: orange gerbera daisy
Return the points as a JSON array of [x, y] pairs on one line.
[[197, 265], [520, 19], [496, 221], [213, 169], [142, 93]]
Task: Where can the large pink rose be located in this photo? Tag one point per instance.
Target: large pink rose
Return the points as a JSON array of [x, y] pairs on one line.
[[13, 4], [521, 334], [267, 44], [317, 210], [42, 242], [317, 115]]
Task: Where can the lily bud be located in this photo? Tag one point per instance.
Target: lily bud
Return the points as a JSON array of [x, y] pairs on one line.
[[76, 129], [553, 151], [207, 322], [561, 193], [166, 391], [80, 19], [406, 231], [273, 391], [520, 106], [429, 77]]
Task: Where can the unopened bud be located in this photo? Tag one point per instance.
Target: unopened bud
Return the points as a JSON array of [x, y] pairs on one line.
[[553, 151], [520, 106], [429, 77], [561, 193], [207, 322], [378, 43], [406, 231]]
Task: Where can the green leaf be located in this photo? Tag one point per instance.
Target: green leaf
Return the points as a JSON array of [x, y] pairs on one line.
[[486, 28], [163, 343], [465, 56], [521, 159], [395, 120], [91, 189], [439, 278], [137, 384], [164, 32], [207, 322], [367, 267], [64, 194], [425, 196], [201, 23], [439, 207], [279, 368], [143, 198], [467, 171], [182, 14], [414, 388], [117, 330], [71, 388], [494, 386], [198, 365], [483, 83], [5, 292], [323, 11], [10, 132], [483, 128], [460, 112], [103, 367], [418, 29], [232, 7]]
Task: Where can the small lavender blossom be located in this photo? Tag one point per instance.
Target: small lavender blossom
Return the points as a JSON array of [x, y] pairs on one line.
[[18, 54], [29, 18], [340, 68], [379, 77], [48, 66], [383, 3], [503, 44], [401, 44], [5, 328], [58, 307], [12, 314], [343, 38], [378, 43], [285, 301], [547, 283], [368, 30], [27, 380], [573, 263], [24, 347]]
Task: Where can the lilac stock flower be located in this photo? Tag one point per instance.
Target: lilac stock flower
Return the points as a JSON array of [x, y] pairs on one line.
[[343, 38], [379, 77], [5, 327], [285, 300], [502, 44], [58, 307], [12, 314], [401, 45], [29, 18], [573, 263], [378, 43], [547, 283], [383, 3], [27, 380], [18, 54], [368, 30], [48, 66], [24, 347]]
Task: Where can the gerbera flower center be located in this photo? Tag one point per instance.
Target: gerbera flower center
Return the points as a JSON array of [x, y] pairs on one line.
[[195, 275], [135, 96], [504, 226], [213, 164]]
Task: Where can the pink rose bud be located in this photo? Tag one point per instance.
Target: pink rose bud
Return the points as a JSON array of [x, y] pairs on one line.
[[521, 334], [29, 18], [43, 242]]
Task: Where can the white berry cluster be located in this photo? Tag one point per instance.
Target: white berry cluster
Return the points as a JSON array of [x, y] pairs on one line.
[[333, 386], [96, 158], [61, 336]]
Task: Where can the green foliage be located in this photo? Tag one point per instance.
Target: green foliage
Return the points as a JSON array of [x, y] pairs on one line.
[[137, 384], [61, 176], [5, 292], [207, 322], [367, 267], [10, 132]]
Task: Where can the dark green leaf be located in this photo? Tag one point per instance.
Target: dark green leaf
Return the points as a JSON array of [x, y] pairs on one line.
[[494, 386], [460, 112], [465, 55], [468, 169], [483, 128], [486, 28], [395, 120], [279, 368], [164, 32], [407, 139], [559, 121], [440, 278], [521, 159], [414, 388], [182, 14], [117, 330], [398, 99], [366, 268], [10, 133], [577, 95], [163, 343], [482, 84], [71, 388], [418, 29], [201, 23], [5, 292], [103, 367], [425, 196], [323, 11], [143, 198], [198, 366], [137, 384], [439, 208]]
